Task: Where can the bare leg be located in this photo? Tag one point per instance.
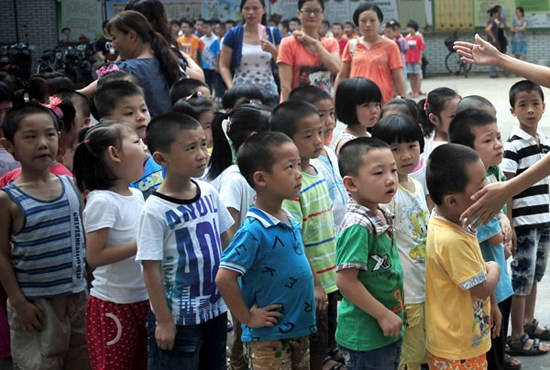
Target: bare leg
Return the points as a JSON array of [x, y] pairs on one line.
[[518, 316], [530, 302]]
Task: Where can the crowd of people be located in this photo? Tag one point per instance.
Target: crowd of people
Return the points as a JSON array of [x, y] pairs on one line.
[[200, 176]]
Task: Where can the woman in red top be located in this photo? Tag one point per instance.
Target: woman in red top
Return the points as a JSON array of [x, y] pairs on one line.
[[373, 56]]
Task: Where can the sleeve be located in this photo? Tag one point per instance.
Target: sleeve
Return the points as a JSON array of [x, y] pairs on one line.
[[150, 237], [294, 207], [346, 55], [489, 230], [232, 191], [352, 250], [229, 38], [216, 48], [510, 160], [224, 217], [462, 264], [331, 45], [276, 35], [394, 56], [286, 51], [99, 213], [241, 253]]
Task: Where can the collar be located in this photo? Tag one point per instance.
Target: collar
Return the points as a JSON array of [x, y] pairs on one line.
[[267, 220], [468, 229], [375, 223], [518, 131]]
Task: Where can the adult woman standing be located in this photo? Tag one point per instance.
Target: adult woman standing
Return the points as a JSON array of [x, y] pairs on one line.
[[373, 56], [248, 51], [492, 35], [305, 58], [519, 38]]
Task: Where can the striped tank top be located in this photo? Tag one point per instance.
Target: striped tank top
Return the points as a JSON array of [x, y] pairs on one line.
[[48, 252]]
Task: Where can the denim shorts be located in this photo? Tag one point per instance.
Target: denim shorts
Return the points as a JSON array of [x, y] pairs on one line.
[[199, 346], [414, 68], [530, 257], [385, 358]]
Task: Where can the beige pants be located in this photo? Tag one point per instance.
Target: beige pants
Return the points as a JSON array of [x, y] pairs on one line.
[[286, 354], [61, 344]]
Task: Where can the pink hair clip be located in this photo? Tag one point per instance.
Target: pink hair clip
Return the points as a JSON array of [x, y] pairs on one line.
[[105, 70], [87, 141], [196, 94], [426, 104], [54, 101]]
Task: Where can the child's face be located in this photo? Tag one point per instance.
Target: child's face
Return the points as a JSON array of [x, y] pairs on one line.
[[207, 29], [186, 29], [133, 156], [205, 120], [337, 31], [443, 119], [284, 181], [487, 143], [175, 28], [188, 155], [376, 181], [35, 143], [348, 30], [388, 32], [411, 30], [406, 156], [294, 26], [368, 114], [132, 110], [528, 109], [476, 181], [328, 119], [309, 137]]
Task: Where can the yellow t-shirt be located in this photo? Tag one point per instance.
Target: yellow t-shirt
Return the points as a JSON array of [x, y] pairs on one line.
[[457, 323]]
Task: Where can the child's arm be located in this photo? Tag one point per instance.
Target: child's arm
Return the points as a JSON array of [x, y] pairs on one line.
[[28, 315], [496, 317], [165, 332], [486, 288], [355, 291], [97, 254], [226, 237], [226, 281], [321, 298]]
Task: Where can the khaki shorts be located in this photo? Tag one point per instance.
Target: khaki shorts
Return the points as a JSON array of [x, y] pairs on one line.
[[285, 354], [413, 351], [62, 341]]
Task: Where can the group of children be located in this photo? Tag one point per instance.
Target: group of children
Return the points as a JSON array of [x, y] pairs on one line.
[[354, 251]]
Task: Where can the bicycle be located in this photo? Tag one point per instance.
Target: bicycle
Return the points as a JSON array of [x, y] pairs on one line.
[[454, 63]]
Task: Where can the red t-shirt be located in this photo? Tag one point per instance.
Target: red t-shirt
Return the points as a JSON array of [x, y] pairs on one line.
[[416, 45], [9, 177]]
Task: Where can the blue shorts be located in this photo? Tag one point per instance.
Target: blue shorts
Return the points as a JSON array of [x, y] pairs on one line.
[[385, 358], [414, 68], [530, 257], [195, 347]]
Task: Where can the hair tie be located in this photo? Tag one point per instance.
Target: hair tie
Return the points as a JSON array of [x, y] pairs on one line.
[[53, 106], [86, 142], [426, 104], [196, 94], [228, 126], [105, 70]]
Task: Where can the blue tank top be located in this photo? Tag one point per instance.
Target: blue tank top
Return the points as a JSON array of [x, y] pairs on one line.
[[48, 252]]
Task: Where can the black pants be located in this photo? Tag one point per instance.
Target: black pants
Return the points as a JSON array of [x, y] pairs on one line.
[[495, 356]]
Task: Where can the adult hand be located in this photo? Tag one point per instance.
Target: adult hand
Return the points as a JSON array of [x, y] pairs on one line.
[[267, 46], [481, 53], [305, 39], [489, 202]]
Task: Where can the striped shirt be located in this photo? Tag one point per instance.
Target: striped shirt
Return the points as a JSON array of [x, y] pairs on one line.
[[313, 210], [522, 151], [48, 252]]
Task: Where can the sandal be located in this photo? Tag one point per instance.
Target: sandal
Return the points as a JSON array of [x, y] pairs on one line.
[[531, 328], [516, 346], [511, 363]]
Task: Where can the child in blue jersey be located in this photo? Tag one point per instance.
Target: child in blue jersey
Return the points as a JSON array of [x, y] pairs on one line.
[[105, 163], [123, 101], [275, 298], [182, 229], [42, 265]]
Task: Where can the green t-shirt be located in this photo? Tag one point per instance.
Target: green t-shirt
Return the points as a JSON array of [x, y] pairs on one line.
[[376, 256]]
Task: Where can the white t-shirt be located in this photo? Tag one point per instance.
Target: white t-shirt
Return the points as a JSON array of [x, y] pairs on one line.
[[119, 282], [235, 191], [411, 231], [185, 235]]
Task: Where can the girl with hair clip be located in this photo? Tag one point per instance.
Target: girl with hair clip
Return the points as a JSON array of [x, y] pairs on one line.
[[357, 105], [145, 54], [64, 113], [200, 108], [110, 158], [436, 113], [230, 131]]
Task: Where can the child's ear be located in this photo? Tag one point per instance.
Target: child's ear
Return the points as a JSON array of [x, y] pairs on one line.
[[259, 178], [450, 201], [433, 119], [159, 158], [349, 184], [113, 154], [6, 144], [513, 111]]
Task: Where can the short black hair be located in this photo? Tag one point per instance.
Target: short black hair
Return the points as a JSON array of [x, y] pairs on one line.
[[10, 124], [352, 92], [447, 170], [412, 24], [351, 154], [184, 88], [194, 106], [524, 86], [398, 128], [473, 102], [176, 22], [325, 22], [302, 2], [256, 153], [309, 93], [460, 128], [162, 130], [365, 7], [287, 115], [107, 96], [6, 94], [188, 22], [401, 106], [295, 19]]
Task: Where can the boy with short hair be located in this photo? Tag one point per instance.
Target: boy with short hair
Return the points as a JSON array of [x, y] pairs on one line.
[[530, 217], [190, 43], [313, 210], [478, 129], [458, 281], [369, 272], [182, 230], [275, 302], [210, 55], [42, 249]]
